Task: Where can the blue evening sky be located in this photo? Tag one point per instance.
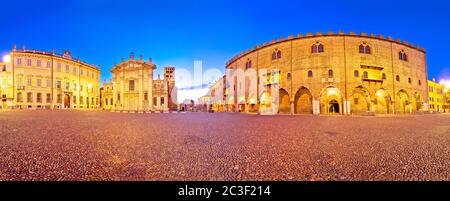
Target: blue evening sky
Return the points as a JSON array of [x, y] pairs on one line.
[[175, 33]]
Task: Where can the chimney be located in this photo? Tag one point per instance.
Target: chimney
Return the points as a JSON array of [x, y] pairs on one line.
[[140, 57], [132, 56]]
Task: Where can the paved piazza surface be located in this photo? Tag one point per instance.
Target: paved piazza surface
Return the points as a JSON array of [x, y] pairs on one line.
[[78, 145]]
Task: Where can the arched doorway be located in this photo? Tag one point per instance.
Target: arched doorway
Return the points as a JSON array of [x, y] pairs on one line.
[[285, 102], [360, 102], [333, 107], [330, 100], [66, 101], [417, 102], [402, 104], [382, 102], [265, 106], [303, 101]]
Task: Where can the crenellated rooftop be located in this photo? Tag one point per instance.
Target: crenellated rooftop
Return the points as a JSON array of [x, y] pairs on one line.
[[320, 34]]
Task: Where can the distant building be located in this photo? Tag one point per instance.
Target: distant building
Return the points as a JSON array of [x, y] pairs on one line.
[[46, 80], [438, 97], [132, 87]]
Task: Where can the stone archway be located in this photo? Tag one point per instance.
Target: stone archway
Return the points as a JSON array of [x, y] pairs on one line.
[[402, 104], [360, 102], [382, 102], [284, 102], [333, 107], [303, 101], [330, 97], [417, 102], [265, 106]]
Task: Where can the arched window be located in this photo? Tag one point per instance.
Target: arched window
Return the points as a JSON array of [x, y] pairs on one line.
[[289, 76], [310, 74], [276, 54], [420, 83], [364, 48], [409, 80], [248, 64], [361, 49], [317, 48], [330, 73], [397, 78], [383, 76], [356, 73], [403, 56], [365, 75]]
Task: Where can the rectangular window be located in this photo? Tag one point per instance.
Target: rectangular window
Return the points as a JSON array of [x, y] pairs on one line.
[[58, 84], [48, 83], [29, 81], [28, 62], [74, 70], [49, 98], [74, 86], [81, 87], [49, 64], [67, 69], [38, 63], [131, 85], [39, 82], [67, 85], [4, 68], [162, 100], [106, 101], [19, 61], [81, 72], [118, 97], [29, 97], [59, 67], [19, 97], [75, 99], [59, 98], [81, 100], [145, 96], [39, 97], [154, 101]]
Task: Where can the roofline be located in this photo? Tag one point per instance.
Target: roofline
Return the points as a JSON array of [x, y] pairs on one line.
[[320, 34], [52, 54]]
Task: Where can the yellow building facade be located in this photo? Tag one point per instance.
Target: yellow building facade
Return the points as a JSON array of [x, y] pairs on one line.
[[437, 96], [332, 73], [45, 80], [133, 88]]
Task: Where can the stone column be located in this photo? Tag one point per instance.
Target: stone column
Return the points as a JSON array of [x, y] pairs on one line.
[[141, 90], [292, 107], [150, 89], [316, 106], [122, 87]]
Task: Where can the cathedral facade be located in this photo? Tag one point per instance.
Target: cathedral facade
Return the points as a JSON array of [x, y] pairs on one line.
[[132, 87]]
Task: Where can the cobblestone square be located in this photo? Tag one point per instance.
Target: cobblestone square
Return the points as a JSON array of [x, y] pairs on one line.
[[82, 145]]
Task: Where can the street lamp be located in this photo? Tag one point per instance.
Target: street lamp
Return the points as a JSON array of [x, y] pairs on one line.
[[7, 58]]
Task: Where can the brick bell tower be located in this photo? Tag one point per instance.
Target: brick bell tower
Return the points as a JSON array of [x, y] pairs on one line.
[[169, 75]]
